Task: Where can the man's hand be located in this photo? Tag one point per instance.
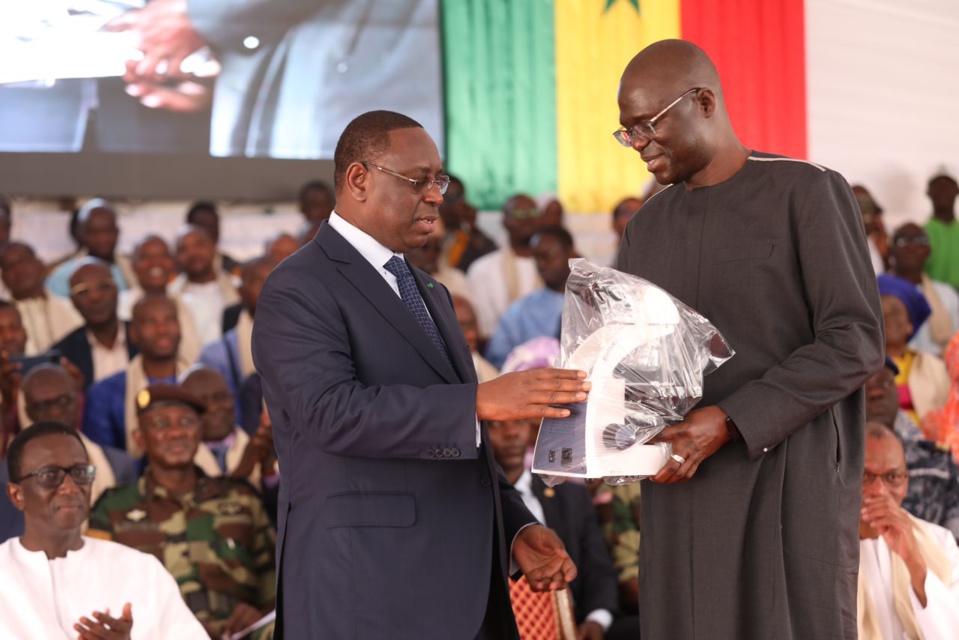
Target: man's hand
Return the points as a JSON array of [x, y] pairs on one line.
[[74, 372], [257, 452], [542, 557], [696, 438], [528, 394], [242, 616], [186, 97], [103, 627], [880, 511], [167, 38], [590, 630]]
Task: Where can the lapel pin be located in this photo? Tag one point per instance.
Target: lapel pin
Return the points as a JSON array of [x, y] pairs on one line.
[[429, 285], [549, 492]]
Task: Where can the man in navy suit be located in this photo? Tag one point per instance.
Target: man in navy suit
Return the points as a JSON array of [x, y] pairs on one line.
[[394, 520]]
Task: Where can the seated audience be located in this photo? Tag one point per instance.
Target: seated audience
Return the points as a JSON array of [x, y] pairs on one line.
[[231, 449], [933, 493], [58, 583], [908, 253], [205, 216], [876, 237], [943, 263], [46, 317], [111, 408], [923, 381], [568, 510], [942, 425], [427, 258], [98, 232], [623, 212], [212, 534], [463, 241], [316, 201], [467, 319], [232, 354], [908, 568], [102, 346], [205, 289], [500, 278], [154, 268], [281, 246], [13, 340], [540, 313]]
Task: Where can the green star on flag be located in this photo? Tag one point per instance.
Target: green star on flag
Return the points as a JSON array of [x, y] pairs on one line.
[[610, 3]]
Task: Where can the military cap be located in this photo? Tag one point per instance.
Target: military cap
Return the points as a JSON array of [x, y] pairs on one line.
[[157, 395]]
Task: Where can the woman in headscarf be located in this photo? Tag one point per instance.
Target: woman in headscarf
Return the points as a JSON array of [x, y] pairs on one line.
[[923, 381]]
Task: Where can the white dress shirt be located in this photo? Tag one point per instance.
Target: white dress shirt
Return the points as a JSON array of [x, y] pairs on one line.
[[107, 361]]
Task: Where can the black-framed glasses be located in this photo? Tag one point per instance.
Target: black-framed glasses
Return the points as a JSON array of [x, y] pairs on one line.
[[646, 131], [893, 479], [905, 241], [420, 185], [53, 477]]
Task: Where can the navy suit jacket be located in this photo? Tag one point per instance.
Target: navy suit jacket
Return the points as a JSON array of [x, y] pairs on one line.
[[569, 511], [76, 348], [392, 523]]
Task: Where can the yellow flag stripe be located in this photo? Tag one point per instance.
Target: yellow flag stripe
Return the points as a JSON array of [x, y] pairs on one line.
[[593, 46]]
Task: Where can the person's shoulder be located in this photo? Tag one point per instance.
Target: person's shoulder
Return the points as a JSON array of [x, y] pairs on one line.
[[785, 164], [940, 534], [224, 487], [122, 497], [133, 560], [75, 338], [484, 263]]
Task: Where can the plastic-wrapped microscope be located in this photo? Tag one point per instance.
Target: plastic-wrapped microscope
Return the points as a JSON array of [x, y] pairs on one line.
[[646, 354]]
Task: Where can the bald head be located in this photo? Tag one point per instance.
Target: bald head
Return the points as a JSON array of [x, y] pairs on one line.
[[673, 66], [672, 110], [50, 395]]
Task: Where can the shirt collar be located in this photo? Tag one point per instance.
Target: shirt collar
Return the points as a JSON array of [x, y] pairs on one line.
[[525, 483], [121, 340], [374, 253]]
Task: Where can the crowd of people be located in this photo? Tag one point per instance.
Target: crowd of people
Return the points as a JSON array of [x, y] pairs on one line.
[[138, 454]]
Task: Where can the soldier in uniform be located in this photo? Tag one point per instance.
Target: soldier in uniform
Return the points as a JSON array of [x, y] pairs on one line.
[[212, 534]]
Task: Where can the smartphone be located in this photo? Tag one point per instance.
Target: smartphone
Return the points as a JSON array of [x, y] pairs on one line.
[[29, 362]]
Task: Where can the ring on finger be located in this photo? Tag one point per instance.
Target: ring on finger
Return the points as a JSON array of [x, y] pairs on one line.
[[678, 458]]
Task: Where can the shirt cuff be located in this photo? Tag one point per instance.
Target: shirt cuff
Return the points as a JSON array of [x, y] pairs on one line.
[[602, 617], [479, 436]]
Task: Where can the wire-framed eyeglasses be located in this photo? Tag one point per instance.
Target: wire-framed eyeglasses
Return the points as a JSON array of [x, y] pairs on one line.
[[646, 131], [420, 185]]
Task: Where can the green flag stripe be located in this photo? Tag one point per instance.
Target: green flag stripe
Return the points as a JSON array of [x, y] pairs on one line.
[[499, 78]]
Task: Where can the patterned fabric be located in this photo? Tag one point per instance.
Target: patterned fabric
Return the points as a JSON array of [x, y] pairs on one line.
[[216, 541], [414, 302], [622, 533], [541, 616], [942, 425]]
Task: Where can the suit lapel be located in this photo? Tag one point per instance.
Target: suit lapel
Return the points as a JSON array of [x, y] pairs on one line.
[[371, 286], [547, 498]]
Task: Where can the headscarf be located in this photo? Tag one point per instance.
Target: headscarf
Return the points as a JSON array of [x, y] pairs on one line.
[[911, 297]]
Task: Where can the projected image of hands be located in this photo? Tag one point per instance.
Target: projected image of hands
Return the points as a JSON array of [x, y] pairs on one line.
[[262, 78]]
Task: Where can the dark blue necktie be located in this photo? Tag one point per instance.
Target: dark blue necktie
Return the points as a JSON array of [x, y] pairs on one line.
[[414, 302]]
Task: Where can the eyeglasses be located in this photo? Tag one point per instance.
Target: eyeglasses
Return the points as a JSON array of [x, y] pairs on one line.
[[163, 425], [905, 241], [54, 403], [892, 479], [84, 290], [646, 131], [520, 214], [53, 477], [420, 185]]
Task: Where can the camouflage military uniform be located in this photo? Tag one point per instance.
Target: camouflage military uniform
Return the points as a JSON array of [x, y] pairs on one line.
[[217, 541]]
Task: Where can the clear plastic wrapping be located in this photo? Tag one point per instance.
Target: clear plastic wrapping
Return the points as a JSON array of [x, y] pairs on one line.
[[646, 354]]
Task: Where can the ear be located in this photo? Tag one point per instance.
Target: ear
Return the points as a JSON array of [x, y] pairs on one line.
[[138, 438], [15, 493], [357, 182], [706, 102]]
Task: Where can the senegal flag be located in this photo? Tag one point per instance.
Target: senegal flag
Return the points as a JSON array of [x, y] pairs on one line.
[[530, 87]]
